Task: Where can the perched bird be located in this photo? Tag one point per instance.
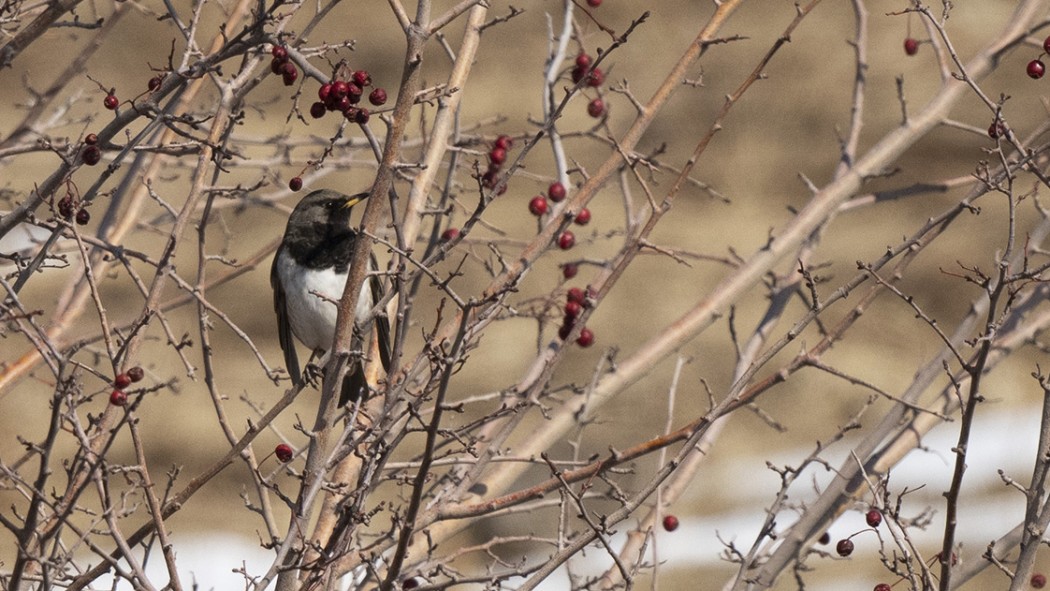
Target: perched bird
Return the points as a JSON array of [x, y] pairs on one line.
[[308, 275]]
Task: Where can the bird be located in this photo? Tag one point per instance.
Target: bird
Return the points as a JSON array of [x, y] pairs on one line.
[[308, 275]]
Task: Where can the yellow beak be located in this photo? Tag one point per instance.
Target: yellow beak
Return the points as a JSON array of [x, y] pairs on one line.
[[355, 200]]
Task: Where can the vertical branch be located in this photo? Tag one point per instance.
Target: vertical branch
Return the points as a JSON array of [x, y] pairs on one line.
[[1035, 497]]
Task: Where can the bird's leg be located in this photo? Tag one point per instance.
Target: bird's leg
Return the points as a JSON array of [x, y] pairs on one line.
[[313, 373]]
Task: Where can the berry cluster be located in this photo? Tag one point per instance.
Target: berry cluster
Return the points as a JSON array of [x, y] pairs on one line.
[[91, 154], [119, 397], [1036, 68], [594, 78], [343, 96], [71, 207], [497, 156], [280, 64], [845, 546], [539, 206], [873, 518], [576, 301]]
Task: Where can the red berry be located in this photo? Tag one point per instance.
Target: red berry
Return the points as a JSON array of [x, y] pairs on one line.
[[91, 139], [498, 156], [594, 3], [583, 217], [362, 78], [410, 583], [996, 130], [824, 538], [670, 521], [874, 517], [449, 234], [556, 192], [111, 102], [136, 374], [317, 110], [1046, 45], [489, 179], [596, 108], [572, 309], [844, 547], [583, 61], [1038, 580], [83, 217], [1036, 69], [275, 65], [118, 398], [538, 205], [343, 105], [578, 73], [377, 97], [586, 339], [354, 92], [566, 328], [324, 91], [91, 155], [284, 452], [154, 83], [296, 183], [65, 207], [362, 116], [340, 88], [503, 141], [595, 77], [569, 270], [911, 46], [882, 587], [289, 73], [121, 381], [279, 52], [567, 240], [576, 294]]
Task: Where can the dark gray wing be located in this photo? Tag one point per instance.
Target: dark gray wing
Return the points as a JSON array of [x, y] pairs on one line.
[[354, 384], [284, 326]]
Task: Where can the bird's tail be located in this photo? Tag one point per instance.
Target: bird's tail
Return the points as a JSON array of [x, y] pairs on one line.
[[355, 385]]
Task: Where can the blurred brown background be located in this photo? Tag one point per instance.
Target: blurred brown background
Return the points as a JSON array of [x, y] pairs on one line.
[[786, 125]]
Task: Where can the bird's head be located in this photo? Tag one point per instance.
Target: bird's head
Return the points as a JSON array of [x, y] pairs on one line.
[[324, 207]]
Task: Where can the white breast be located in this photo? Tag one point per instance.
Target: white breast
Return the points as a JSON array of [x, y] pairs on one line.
[[312, 316]]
